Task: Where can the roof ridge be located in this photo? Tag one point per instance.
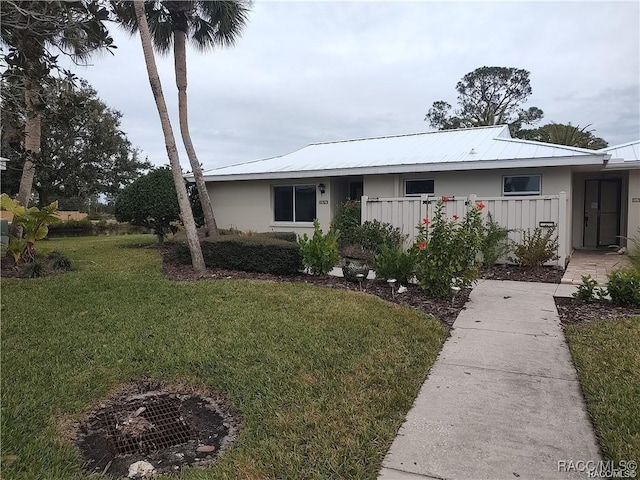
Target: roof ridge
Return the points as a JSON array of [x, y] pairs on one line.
[[409, 134], [622, 145], [548, 144]]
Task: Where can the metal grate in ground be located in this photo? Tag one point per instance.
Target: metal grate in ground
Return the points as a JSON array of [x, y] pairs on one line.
[[146, 425]]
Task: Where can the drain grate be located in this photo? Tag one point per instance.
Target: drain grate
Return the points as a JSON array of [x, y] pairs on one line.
[[146, 425]]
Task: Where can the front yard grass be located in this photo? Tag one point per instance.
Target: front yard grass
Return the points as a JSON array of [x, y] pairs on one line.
[[607, 357], [322, 377]]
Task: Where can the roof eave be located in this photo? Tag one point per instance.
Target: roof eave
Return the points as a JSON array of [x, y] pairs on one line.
[[596, 159]]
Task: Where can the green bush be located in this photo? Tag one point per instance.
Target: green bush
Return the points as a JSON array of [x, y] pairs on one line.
[[59, 261], [286, 236], [395, 263], [320, 252], [633, 246], [347, 221], [34, 268], [446, 251], [494, 242], [624, 287], [537, 247], [588, 290], [372, 235], [249, 254], [71, 228]]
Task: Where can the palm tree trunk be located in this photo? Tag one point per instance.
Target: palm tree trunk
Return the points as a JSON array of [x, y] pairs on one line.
[[180, 59], [197, 260], [32, 134]]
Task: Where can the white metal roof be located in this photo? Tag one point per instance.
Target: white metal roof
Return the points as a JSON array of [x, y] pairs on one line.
[[462, 149], [626, 152]]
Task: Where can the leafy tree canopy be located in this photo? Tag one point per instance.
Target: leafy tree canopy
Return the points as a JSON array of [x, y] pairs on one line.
[[561, 134], [151, 201], [84, 151], [488, 96]]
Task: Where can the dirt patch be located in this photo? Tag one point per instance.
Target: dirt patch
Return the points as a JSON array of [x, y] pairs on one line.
[[166, 425], [521, 274], [572, 310], [446, 310]]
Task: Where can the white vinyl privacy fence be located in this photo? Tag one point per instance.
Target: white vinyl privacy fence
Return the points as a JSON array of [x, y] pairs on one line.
[[516, 213]]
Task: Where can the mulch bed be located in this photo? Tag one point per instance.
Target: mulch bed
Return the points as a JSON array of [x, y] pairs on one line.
[[521, 274], [445, 310], [572, 310]]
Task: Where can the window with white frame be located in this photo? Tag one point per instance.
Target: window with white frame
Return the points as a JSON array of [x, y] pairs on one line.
[[521, 184], [294, 203], [418, 186]]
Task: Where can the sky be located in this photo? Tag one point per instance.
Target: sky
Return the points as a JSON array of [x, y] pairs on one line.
[[306, 72]]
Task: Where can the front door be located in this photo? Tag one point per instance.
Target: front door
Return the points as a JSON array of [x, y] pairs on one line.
[[602, 212]]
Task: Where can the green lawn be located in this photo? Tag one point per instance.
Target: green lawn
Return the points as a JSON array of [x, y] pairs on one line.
[[607, 357], [322, 377]]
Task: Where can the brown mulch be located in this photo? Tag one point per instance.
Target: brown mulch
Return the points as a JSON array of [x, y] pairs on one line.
[[445, 310], [522, 274], [572, 310]]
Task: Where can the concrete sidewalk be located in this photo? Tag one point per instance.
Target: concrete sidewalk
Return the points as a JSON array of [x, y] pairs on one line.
[[502, 401]]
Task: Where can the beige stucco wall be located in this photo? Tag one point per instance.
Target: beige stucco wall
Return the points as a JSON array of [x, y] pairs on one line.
[[633, 223], [486, 183], [247, 205]]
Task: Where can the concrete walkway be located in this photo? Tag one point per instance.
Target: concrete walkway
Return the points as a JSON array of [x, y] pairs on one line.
[[502, 401]]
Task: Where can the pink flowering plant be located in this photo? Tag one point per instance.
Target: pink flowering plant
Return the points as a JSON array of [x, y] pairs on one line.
[[446, 250]]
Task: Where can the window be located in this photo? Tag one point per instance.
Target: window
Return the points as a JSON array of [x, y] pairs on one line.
[[294, 203], [418, 187], [521, 185]]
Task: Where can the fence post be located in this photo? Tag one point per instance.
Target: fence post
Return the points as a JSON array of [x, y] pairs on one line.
[[562, 229], [471, 202], [363, 208]]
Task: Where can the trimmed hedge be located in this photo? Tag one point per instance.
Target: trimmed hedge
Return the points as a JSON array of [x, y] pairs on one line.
[[259, 253]]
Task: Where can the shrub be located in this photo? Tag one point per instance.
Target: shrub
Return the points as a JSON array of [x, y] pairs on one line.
[[35, 268], [446, 251], [286, 236], [372, 235], [395, 263], [624, 287], [71, 227], [150, 201], [59, 261], [537, 247], [588, 290], [494, 242], [347, 221], [320, 252], [249, 254], [633, 246], [34, 223]]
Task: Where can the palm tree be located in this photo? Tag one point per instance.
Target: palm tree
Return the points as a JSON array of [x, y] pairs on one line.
[[197, 260], [32, 30], [207, 24], [561, 134]]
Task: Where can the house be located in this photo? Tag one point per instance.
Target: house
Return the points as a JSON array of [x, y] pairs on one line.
[[596, 194]]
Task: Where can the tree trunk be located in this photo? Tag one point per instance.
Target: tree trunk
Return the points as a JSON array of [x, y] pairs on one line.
[[180, 59], [197, 260], [32, 133]]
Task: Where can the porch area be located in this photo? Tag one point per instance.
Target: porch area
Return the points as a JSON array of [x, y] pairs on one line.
[[597, 263]]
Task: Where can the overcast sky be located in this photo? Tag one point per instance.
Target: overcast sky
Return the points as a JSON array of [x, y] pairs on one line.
[[306, 72]]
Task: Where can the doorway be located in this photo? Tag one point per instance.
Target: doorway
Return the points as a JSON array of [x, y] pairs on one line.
[[602, 199]]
